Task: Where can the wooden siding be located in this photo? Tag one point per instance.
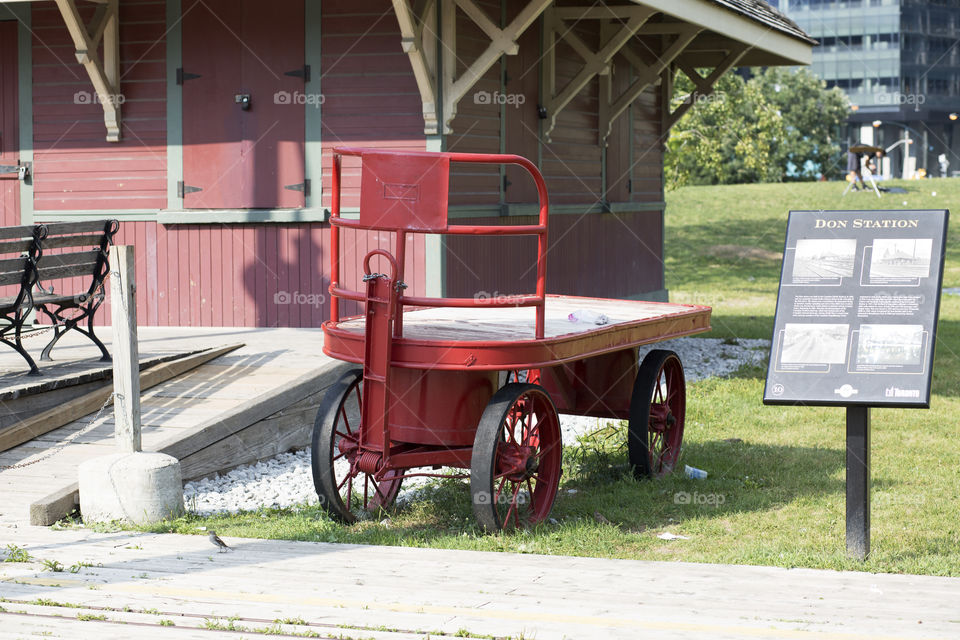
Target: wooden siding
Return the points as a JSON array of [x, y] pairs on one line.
[[476, 128], [610, 255], [593, 254], [243, 275], [370, 96], [238, 275], [74, 167], [231, 275]]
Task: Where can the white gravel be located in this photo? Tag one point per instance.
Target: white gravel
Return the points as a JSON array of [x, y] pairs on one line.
[[286, 480]]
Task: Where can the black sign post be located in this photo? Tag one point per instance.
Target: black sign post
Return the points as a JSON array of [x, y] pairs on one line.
[[856, 326], [858, 482]]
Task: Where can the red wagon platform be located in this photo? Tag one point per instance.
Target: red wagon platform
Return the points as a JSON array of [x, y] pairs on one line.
[[478, 383]]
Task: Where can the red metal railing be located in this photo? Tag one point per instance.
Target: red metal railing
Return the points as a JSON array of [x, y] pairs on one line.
[[540, 230]]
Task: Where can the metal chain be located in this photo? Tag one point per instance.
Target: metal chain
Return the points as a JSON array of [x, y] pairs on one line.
[[57, 448]]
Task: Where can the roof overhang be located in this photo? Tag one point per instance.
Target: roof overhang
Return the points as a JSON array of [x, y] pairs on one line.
[[768, 46]]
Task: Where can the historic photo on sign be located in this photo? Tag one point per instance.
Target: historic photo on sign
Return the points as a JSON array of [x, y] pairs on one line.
[[890, 344], [900, 258], [814, 343], [824, 259]]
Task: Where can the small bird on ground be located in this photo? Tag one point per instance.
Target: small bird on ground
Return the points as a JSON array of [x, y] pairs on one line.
[[215, 539], [600, 518]]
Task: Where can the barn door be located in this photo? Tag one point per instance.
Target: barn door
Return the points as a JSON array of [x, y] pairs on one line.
[[9, 129], [243, 83]]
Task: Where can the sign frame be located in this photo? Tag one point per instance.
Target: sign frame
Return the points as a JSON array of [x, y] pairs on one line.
[[860, 291]]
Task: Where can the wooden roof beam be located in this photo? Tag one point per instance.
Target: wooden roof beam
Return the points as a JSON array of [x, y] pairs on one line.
[[595, 63], [105, 74], [647, 74]]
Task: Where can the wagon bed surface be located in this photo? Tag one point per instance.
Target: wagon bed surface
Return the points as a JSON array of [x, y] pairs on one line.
[[438, 336]]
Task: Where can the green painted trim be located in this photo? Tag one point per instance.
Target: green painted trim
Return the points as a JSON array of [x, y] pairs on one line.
[[241, 216], [174, 104], [657, 295], [24, 16], [234, 216], [628, 207], [128, 215], [496, 211], [435, 246], [313, 123]]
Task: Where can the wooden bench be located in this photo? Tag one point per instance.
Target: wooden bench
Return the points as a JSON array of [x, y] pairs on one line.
[[78, 250], [19, 247]]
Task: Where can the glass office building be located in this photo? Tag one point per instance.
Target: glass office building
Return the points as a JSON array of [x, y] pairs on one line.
[[899, 62]]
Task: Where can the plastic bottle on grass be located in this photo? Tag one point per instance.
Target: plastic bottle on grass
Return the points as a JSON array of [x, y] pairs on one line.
[[585, 315], [693, 472]]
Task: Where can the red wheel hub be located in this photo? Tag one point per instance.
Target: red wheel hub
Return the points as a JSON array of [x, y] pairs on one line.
[[516, 462], [661, 418]]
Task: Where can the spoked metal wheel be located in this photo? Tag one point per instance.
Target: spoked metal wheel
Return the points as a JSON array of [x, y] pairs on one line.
[[656, 415], [515, 466], [345, 491]]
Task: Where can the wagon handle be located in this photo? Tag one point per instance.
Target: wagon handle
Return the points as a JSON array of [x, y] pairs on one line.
[[385, 254]]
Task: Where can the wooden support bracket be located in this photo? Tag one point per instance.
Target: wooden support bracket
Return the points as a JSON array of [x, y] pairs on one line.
[[502, 42], [596, 63], [421, 42], [704, 86], [414, 22], [646, 74], [104, 73]]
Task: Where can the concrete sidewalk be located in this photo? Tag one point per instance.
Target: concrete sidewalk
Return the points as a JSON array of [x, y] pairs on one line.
[[137, 585]]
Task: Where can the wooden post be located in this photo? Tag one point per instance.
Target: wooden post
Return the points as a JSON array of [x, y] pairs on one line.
[[126, 357]]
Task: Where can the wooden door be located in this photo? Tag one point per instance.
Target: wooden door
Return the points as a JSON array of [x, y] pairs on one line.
[[236, 157], [9, 127]]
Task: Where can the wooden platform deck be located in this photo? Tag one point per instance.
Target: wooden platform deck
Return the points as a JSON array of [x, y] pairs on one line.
[[247, 405]]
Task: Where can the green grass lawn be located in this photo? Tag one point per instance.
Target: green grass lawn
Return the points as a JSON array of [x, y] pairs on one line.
[[775, 491]]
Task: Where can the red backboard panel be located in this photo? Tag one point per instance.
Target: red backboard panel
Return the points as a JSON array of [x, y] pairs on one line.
[[404, 192]]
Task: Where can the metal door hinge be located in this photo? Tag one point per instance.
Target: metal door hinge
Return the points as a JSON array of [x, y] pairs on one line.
[[300, 73], [184, 189], [303, 186], [183, 76], [506, 182]]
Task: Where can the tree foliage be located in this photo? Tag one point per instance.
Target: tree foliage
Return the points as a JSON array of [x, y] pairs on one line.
[[779, 125]]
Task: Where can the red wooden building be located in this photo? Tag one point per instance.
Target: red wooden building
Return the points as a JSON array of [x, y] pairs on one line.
[[206, 126]]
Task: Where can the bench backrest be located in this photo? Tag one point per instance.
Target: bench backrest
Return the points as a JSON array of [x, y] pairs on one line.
[[18, 247], [76, 249]]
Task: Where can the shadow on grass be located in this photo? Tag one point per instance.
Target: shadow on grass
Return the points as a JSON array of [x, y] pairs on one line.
[[742, 477]]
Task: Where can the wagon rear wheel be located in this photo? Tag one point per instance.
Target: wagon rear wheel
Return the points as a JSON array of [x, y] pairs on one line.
[[345, 492], [656, 415], [515, 466]]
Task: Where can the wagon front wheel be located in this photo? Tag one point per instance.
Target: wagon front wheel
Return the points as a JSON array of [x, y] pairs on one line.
[[515, 465], [656, 415], [344, 490]]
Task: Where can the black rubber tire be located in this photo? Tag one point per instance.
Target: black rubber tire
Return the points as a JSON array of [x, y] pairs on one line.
[[638, 434], [324, 441], [483, 463]]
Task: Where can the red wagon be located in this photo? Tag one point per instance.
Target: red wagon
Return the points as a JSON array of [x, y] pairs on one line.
[[477, 383]]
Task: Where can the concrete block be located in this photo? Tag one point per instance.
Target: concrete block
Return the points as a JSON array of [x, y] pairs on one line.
[[135, 487]]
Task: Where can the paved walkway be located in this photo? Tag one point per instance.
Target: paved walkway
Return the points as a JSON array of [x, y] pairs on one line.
[[175, 586]]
